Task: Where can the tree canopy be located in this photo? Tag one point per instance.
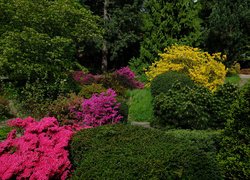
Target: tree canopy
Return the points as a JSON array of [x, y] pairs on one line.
[[166, 23], [40, 41]]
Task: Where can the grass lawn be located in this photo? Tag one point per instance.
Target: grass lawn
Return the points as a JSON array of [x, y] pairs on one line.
[[234, 79], [140, 105]]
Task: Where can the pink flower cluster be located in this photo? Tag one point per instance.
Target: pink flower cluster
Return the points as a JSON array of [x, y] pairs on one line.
[[124, 75], [83, 78], [100, 109], [129, 76], [40, 153]]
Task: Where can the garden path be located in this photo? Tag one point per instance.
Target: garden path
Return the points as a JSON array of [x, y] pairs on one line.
[[244, 78], [143, 124]]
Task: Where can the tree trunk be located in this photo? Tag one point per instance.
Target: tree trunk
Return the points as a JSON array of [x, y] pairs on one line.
[[104, 46]]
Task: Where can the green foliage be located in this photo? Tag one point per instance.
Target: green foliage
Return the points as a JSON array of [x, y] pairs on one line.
[[88, 90], [234, 79], [130, 152], [220, 109], [234, 69], [5, 112], [140, 105], [166, 23], [163, 82], [123, 109], [60, 108], [228, 29], [195, 108], [64, 18], [234, 154], [109, 80], [183, 107], [38, 46], [122, 31], [31, 57], [4, 130], [37, 67]]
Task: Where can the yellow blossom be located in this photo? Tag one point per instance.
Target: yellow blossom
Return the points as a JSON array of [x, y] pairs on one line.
[[203, 68]]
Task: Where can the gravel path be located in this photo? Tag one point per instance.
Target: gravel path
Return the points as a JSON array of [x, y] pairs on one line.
[[143, 124], [244, 78]]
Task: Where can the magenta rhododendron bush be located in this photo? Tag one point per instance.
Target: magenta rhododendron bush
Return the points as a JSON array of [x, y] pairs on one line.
[[84, 78], [125, 75], [128, 76], [40, 153], [100, 109]]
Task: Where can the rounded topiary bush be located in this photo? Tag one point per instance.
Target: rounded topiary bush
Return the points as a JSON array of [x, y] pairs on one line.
[[131, 152], [163, 82], [182, 107], [194, 108]]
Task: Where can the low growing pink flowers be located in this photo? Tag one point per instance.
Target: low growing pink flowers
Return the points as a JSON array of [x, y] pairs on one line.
[[40, 153], [128, 77], [100, 109]]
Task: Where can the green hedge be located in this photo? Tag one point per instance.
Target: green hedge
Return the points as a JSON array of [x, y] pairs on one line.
[[163, 82], [130, 152], [182, 107]]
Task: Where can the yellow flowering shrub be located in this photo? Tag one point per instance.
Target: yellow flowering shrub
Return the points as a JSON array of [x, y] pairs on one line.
[[203, 68]]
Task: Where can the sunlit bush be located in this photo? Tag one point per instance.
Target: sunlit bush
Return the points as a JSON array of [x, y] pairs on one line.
[[203, 68]]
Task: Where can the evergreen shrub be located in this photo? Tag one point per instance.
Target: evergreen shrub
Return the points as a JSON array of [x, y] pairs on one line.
[[60, 108], [183, 107], [164, 82], [131, 152], [222, 101], [88, 90], [194, 108], [234, 152]]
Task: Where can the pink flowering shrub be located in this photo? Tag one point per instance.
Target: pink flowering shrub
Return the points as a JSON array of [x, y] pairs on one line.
[[100, 109], [127, 77], [39, 154], [124, 76], [84, 78]]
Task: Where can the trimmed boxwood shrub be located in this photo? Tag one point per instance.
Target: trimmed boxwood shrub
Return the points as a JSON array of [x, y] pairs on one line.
[[234, 153], [163, 82], [183, 107], [131, 152], [194, 108]]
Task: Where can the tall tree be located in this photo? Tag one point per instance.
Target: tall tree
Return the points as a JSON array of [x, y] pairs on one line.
[[121, 22], [167, 22], [39, 42], [229, 25]]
